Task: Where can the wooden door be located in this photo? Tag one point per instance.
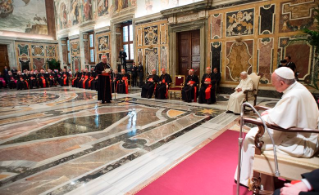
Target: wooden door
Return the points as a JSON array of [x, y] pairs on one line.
[[188, 52], [3, 57]]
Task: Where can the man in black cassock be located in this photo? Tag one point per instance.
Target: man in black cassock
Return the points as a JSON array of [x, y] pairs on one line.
[[140, 73], [207, 89], [114, 79], [216, 76], [42, 79], [148, 87], [86, 80], [12, 80], [64, 78], [21, 83], [103, 86], [122, 57], [122, 83], [134, 75], [77, 75], [163, 85], [190, 89]]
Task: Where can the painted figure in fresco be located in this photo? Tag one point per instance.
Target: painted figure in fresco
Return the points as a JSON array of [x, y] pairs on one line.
[[74, 12], [103, 43], [87, 8], [121, 4], [63, 16], [102, 7], [6, 8]]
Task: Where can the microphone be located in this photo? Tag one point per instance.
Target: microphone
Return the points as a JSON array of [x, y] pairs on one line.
[[240, 142]]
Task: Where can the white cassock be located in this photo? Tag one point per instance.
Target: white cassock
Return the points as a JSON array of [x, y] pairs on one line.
[[237, 98], [296, 108]]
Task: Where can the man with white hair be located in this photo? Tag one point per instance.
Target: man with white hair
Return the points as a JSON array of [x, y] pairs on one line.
[[238, 97], [296, 108]]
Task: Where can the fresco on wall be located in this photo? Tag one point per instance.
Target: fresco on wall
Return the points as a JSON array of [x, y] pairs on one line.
[[63, 16], [38, 63], [121, 4], [267, 18], [151, 59], [103, 43], [239, 58], [87, 10], [50, 51], [102, 7], [240, 22], [296, 15], [37, 50], [23, 49], [265, 59], [75, 47], [300, 53], [149, 5], [75, 13], [150, 35], [164, 57], [26, 16]]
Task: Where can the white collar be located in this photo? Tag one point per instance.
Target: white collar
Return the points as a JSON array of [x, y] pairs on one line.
[[290, 87]]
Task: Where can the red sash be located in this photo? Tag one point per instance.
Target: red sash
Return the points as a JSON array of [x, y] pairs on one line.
[[195, 90], [208, 89], [91, 79], [86, 78], [43, 82], [65, 79], [27, 84], [166, 93], [126, 84]]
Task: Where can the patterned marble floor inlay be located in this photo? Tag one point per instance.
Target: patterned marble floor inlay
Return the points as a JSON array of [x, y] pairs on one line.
[[56, 140]]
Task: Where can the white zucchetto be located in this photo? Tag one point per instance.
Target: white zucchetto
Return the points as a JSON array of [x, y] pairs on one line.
[[285, 73]]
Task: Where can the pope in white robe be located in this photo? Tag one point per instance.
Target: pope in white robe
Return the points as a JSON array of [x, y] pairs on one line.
[[296, 108], [237, 98]]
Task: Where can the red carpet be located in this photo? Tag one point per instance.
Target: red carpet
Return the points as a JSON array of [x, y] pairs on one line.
[[208, 171]]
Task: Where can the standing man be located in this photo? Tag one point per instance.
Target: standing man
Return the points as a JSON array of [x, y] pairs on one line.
[[291, 65], [103, 83], [123, 56], [296, 108], [140, 72], [216, 77], [134, 75], [189, 91]]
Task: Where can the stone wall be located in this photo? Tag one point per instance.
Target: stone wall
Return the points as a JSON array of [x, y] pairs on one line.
[[34, 56], [255, 37]]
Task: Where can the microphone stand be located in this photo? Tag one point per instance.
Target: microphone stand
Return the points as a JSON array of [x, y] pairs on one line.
[[240, 142]]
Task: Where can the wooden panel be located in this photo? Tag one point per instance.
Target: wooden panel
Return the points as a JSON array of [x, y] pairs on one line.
[[3, 57], [188, 52]]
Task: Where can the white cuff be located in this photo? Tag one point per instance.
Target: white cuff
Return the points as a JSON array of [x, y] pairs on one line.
[[306, 182]]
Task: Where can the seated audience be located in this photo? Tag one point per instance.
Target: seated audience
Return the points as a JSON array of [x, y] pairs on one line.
[[163, 85], [207, 89], [296, 108], [2, 81], [115, 77], [149, 86], [237, 98], [75, 79], [122, 83], [190, 89]]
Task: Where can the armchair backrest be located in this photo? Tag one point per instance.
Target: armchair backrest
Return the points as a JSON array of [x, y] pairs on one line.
[[255, 78], [179, 80]]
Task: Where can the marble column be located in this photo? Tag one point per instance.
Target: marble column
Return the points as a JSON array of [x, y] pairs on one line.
[[83, 39], [61, 52]]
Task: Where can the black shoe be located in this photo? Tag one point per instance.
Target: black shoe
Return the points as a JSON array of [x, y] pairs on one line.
[[236, 114], [228, 111]]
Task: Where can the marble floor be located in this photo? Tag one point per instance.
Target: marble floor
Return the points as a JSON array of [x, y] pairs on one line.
[[61, 140]]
